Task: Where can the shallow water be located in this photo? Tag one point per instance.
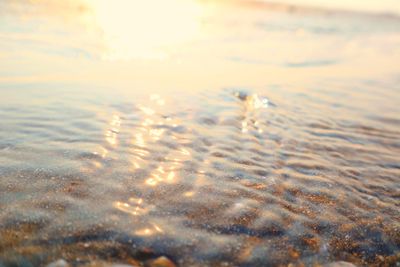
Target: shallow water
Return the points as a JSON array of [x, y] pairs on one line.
[[274, 143]]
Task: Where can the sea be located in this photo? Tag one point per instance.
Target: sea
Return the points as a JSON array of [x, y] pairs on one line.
[[199, 133]]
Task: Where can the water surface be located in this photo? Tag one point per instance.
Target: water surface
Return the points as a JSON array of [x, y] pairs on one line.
[[260, 135]]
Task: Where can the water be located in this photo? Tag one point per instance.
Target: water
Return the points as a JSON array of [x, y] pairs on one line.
[[270, 138]]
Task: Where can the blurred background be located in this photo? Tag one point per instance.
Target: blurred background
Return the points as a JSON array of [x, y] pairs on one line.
[[115, 43]]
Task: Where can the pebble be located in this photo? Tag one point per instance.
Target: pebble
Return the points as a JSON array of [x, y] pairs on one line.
[[108, 264], [121, 265], [162, 262], [340, 264], [58, 263]]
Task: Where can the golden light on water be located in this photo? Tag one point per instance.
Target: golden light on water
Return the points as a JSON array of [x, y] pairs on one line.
[[112, 133], [146, 29]]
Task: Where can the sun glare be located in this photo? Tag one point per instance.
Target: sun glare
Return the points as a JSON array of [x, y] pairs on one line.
[[146, 29]]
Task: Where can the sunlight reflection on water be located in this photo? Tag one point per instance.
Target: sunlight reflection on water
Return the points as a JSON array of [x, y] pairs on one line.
[[246, 134]]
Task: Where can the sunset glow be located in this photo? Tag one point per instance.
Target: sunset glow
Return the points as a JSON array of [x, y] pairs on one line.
[[146, 29]]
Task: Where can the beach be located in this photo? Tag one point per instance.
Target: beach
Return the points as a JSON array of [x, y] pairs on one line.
[[198, 134]]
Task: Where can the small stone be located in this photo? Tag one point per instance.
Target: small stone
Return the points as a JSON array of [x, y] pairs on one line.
[[108, 264], [340, 264], [122, 265], [58, 263], [162, 262]]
